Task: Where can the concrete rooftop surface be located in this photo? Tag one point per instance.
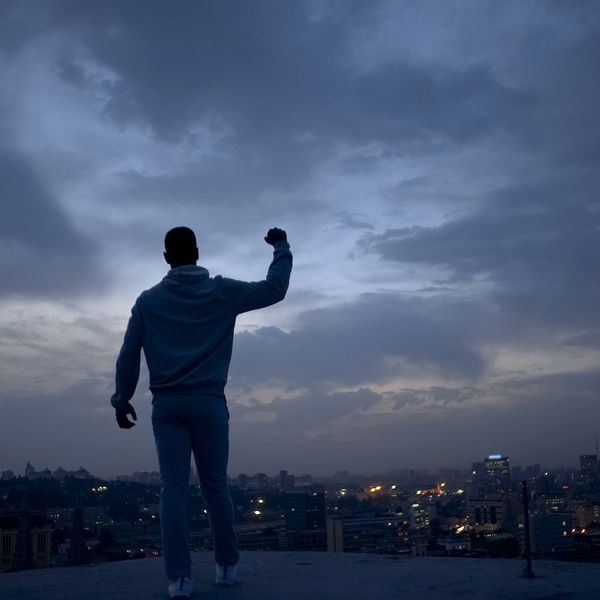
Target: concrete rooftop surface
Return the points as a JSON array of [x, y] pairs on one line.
[[313, 576]]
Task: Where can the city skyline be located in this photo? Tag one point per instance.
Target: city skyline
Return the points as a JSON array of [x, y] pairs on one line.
[[83, 472], [434, 165]]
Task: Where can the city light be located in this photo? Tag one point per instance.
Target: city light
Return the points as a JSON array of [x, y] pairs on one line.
[[257, 512], [100, 488]]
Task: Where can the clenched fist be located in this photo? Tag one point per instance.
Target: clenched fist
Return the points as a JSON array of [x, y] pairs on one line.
[[275, 235]]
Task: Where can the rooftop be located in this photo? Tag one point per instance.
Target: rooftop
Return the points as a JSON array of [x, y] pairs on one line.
[[316, 576]]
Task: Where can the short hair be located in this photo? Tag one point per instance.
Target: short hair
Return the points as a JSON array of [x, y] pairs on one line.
[[180, 242]]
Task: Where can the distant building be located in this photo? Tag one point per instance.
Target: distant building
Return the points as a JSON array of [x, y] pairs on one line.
[[304, 510], [60, 473], [589, 466], [7, 475], [305, 519], [490, 477], [489, 514], [286, 481], [420, 513], [29, 471], [586, 511], [550, 533], [241, 481], [259, 481], [533, 471], [304, 480], [146, 477], [497, 469], [37, 548], [386, 534]]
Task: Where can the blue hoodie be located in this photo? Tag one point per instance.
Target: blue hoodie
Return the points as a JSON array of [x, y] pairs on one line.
[[185, 325]]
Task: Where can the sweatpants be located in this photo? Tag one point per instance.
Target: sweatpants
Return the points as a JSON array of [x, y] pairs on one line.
[[182, 425]]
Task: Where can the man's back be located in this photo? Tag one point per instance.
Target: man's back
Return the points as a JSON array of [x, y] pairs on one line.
[[185, 326]]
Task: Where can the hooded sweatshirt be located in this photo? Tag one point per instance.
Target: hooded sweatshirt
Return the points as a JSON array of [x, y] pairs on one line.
[[185, 326]]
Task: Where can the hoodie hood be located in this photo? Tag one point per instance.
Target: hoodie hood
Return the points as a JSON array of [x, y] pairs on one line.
[[184, 276]]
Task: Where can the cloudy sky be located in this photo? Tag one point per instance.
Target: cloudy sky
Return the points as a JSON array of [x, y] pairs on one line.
[[435, 165]]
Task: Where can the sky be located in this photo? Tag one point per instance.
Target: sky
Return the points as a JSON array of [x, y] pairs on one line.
[[435, 166]]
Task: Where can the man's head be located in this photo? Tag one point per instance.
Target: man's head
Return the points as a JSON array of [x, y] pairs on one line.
[[180, 247]]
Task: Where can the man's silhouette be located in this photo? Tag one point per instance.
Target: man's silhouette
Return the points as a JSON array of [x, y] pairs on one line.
[[185, 326]]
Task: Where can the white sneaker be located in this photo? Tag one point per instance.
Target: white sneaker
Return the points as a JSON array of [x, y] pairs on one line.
[[180, 587], [226, 575]]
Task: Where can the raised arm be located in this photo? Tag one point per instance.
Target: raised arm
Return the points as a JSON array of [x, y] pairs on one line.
[[251, 295]]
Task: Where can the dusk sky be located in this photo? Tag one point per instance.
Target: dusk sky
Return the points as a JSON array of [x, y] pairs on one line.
[[435, 165]]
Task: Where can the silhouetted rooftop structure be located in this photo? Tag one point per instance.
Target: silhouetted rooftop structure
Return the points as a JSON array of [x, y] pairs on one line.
[[315, 576]]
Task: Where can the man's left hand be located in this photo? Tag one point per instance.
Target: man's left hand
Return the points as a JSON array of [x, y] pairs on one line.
[[122, 420]]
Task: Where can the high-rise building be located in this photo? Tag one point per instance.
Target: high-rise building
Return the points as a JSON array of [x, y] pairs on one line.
[[588, 463], [490, 477], [497, 467], [305, 520], [304, 510], [286, 481]]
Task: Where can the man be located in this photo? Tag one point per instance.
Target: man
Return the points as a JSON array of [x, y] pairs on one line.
[[185, 326]]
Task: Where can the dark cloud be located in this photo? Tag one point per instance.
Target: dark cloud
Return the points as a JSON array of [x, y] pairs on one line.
[[537, 245], [43, 254], [378, 338], [273, 73], [307, 412]]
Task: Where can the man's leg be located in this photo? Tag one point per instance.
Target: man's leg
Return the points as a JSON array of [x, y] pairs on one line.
[[210, 445], [173, 446]]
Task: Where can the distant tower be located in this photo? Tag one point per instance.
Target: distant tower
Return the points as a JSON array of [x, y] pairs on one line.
[[29, 471], [77, 548], [23, 557]]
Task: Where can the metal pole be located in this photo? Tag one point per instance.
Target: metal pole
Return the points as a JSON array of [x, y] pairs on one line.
[[527, 571]]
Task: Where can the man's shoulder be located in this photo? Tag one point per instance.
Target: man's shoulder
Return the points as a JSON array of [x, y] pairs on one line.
[[149, 293]]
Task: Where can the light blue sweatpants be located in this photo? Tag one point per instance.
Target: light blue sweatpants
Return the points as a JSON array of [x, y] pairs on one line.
[[182, 425]]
